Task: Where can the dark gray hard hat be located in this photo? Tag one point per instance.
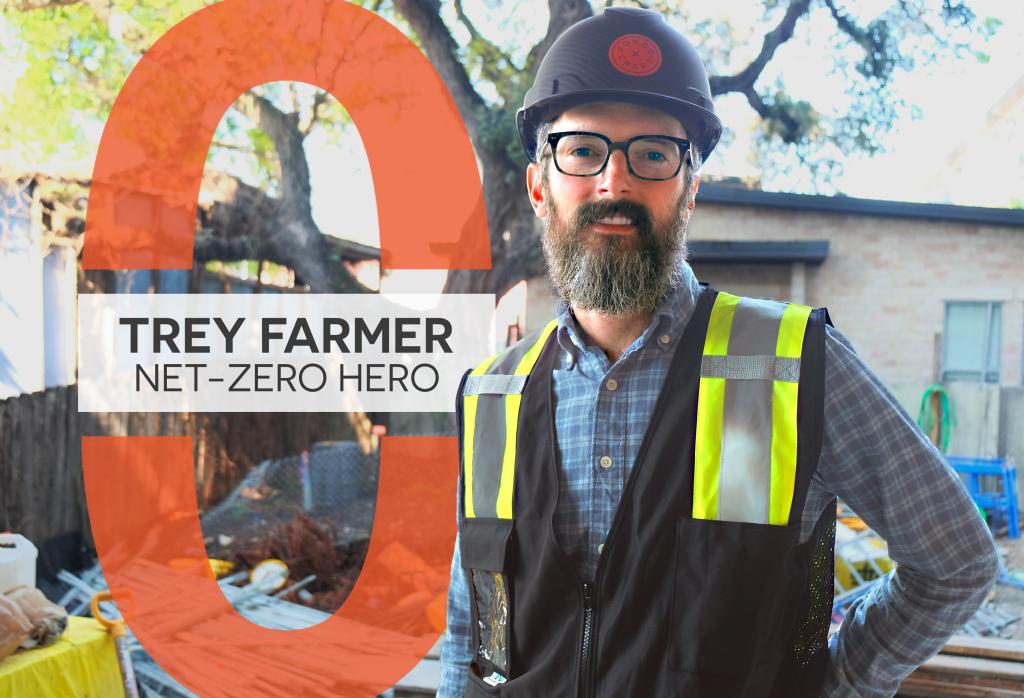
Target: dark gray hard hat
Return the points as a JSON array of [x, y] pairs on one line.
[[625, 54]]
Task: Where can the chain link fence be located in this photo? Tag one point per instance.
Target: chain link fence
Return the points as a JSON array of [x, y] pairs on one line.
[[334, 483]]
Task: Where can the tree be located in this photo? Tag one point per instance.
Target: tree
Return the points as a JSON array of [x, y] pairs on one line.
[[78, 54], [93, 43], [906, 33]]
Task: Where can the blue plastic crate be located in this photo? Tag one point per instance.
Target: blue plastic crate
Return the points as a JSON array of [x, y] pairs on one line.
[[997, 492]]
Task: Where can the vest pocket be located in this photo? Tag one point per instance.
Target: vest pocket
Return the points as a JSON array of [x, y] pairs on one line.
[[734, 583], [485, 555]]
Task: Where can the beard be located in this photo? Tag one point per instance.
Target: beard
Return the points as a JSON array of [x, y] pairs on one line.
[[611, 275]]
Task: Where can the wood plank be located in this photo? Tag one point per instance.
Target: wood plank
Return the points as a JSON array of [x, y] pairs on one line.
[[974, 666], [988, 647], [924, 687]]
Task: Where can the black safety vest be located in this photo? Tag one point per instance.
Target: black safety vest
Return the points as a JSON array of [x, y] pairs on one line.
[[702, 589]]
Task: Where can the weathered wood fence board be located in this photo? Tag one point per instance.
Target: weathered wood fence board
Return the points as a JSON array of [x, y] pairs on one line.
[[41, 487]]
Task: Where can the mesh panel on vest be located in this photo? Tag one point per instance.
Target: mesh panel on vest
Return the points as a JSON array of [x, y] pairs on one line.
[[812, 635]]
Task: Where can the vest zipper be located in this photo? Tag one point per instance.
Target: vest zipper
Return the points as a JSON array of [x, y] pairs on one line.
[[588, 630]]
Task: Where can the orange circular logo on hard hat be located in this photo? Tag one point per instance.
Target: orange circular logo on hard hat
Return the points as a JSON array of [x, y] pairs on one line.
[[635, 54]]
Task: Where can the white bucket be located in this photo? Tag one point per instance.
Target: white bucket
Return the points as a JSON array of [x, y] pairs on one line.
[[17, 562]]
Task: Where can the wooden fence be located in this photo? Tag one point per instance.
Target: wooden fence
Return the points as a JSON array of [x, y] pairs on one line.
[[41, 487]]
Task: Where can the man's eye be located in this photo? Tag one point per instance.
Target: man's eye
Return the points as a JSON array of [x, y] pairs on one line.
[[580, 152], [655, 156]]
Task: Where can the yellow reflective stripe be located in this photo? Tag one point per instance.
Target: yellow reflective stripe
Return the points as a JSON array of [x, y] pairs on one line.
[[720, 324], [791, 331], [512, 404], [784, 417], [530, 358], [469, 429], [783, 482], [710, 410], [508, 460], [707, 470]]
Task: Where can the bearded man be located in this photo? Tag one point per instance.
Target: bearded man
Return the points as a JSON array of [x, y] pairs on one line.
[[648, 485]]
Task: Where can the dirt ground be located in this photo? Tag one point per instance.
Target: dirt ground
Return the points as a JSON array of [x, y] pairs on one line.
[[1007, 598]]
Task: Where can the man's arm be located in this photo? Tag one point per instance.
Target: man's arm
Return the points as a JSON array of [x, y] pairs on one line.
[[878, 461], [455, 653]]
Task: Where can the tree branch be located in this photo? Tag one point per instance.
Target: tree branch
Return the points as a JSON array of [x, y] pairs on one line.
[[232, 146], [491, 56], [318, 102], [425, 19], [561, 15], [744, 80], [283, 130], [29, 5], [848, 27], [773, 113]]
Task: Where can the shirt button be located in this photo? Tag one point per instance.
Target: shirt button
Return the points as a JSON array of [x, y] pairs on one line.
[[612, 384], [606, 462], [664, 339], [600, 548]]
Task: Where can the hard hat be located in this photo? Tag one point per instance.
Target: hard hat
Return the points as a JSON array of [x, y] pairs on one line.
[[625, 54]]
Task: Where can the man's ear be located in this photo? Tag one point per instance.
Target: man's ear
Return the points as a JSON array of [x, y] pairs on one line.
[[693, 195], [536, 190]]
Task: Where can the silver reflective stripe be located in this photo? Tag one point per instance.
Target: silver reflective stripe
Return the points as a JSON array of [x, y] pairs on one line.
[[494, 384], [489, 436], [489, 449], [765, 367], [745, 477]]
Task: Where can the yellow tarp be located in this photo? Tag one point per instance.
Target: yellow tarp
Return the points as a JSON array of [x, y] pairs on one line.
[[81, 664]]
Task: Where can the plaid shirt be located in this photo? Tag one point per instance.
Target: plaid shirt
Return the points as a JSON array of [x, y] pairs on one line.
[[873, 456]]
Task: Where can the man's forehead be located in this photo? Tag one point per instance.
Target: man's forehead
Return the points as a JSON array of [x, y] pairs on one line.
[[614, 118]]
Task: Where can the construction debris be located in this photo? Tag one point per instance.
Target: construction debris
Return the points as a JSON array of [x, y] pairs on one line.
[[861, 560]]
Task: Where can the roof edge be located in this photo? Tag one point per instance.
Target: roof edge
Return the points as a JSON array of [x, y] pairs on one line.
[[711, 192]]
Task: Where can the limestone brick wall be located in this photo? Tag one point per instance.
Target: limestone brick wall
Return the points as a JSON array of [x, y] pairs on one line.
[[886, 280]]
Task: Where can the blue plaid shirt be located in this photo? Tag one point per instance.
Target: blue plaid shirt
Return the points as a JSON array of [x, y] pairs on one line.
[[873, 456]]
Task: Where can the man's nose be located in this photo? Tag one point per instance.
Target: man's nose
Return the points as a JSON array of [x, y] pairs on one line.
[[615, 179]]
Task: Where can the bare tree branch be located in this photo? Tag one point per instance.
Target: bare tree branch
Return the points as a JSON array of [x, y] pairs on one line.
[[847, 25], [29, 5], [783, 32], [562, 14], [283, 130], [231, 146], [493, 55], [318, 102], [425, 19], [773, 113]]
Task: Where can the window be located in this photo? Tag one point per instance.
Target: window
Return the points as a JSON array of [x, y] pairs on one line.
[[971, 341]]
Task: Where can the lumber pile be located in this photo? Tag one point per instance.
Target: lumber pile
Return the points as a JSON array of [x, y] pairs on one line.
[[974, 667]]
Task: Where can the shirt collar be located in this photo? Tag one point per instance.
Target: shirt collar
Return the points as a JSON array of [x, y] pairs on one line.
[[670, 316]]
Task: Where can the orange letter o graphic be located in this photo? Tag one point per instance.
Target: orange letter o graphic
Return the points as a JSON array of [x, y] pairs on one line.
[[142, 212]]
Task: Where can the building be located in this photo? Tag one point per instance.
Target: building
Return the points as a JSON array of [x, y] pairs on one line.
[[927, 293]]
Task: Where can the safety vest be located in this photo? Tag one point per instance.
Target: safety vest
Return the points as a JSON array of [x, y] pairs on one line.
[[702, 587]]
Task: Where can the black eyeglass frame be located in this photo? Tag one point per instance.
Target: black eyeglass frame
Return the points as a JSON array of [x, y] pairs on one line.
[[682, 143]]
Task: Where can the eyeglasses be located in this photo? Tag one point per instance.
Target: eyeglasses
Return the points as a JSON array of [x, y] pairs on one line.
[[586, 154]]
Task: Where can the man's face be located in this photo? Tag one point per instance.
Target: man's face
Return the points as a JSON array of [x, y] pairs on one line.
[[613, 242]]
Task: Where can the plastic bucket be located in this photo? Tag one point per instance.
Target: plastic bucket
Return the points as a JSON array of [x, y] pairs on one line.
[[17, 562]]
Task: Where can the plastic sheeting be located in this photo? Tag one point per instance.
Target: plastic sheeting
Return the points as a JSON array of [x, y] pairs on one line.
[[491, 595]]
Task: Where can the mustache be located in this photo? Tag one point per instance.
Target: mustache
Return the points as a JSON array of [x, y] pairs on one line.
[[588, 214]]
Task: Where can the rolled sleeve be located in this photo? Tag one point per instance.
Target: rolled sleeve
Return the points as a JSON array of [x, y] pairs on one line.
[[877, 460]]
